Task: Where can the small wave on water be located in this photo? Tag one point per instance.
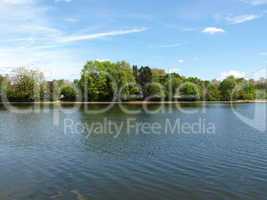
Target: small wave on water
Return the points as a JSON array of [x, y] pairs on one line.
[[40, 162]]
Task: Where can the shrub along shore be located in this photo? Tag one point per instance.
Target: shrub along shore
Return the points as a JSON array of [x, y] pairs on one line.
[[107, 82]]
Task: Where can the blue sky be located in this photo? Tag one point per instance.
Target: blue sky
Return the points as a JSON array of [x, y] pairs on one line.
[[204, 38]]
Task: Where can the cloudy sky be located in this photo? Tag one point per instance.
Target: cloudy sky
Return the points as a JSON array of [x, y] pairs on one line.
[[205, 38]]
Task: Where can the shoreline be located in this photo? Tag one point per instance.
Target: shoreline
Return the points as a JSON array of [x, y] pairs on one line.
[[134, 102]]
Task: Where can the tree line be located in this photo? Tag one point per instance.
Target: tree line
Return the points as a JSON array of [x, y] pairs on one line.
[[119, 81]]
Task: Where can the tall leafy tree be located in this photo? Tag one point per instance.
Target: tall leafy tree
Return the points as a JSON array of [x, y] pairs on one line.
[[156, 92], [212, 92], [227, 87], [158, 75], [102, 81], [135, 72], [144, 79], [172, 83], [4, 82], [189, 91], [25, 85], [247, 90], [68, 93], [95, 82]]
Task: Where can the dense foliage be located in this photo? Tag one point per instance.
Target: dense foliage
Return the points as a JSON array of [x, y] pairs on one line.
[[106, 81], [119, 81], [68, 93]]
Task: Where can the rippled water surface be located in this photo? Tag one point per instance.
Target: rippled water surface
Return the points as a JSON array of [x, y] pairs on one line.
[[39, 159]]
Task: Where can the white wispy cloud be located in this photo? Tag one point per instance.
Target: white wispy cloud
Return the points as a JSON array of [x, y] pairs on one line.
[[181, 61], [235, 73], [173, 70], [241, 18], [55, 63], [255, 2], [213, 30], [15, 2], [77, 38], [30, 39]]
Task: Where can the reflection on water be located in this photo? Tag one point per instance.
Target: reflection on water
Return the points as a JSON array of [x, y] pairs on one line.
[[40, 161]]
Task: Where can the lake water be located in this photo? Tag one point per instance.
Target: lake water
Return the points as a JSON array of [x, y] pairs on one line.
[[51, 154]]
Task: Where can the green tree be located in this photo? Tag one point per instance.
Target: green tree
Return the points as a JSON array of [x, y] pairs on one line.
[[199, 86], [172, 83], [135, 72], [156, 92], [124, 78], [25, 85], [95, 83], [158, 75], [102, 81], [145, 78], [227, 87], [247, 90], [4, 82], [189, 91], [212, 91], [68, 93], [261, 88]]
